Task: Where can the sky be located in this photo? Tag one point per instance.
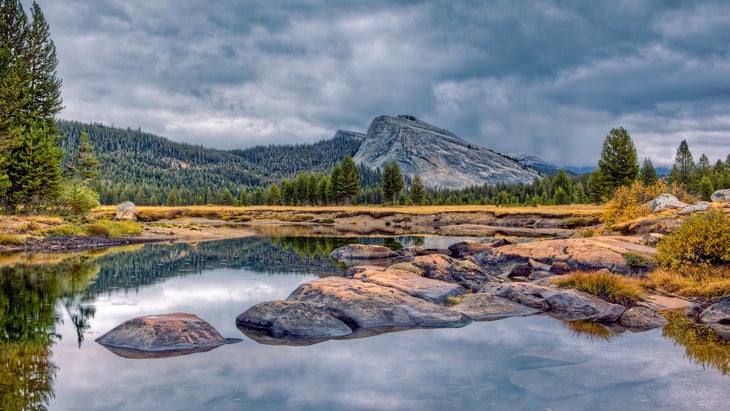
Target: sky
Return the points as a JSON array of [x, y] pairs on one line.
[[548, 78]]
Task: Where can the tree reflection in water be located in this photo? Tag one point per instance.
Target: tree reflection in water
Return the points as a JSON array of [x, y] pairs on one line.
[[28, 296], [702, 345]]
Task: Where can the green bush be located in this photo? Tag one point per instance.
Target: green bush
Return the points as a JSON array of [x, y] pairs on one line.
[[703, 238], [97, 229]]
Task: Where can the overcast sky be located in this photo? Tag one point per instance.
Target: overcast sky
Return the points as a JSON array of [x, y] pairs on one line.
[[550, 78]]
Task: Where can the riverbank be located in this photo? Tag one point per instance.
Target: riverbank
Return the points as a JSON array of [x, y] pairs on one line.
[[204, 223]]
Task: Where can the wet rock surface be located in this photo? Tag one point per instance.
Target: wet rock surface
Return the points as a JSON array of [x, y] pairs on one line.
[[162, 335]]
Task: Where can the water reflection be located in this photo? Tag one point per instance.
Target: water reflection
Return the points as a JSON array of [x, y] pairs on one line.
[[483, 364], [28, 296], [702, 345]]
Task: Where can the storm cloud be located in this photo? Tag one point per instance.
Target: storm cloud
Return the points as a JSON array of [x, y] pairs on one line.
[[549, 78]]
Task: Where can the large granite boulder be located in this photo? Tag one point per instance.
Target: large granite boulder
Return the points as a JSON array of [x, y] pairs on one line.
[[641, 319], [413, 284], [721, 196], [718, 313], [126, 211], [292, 320], [162, 335], [362, 304], [665, 202], [485, 307]]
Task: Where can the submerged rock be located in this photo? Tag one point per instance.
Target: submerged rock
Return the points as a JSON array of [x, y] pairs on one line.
[[162, 335], [363, 304]]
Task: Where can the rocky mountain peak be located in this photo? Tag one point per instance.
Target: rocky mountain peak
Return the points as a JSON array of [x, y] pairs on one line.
[[441, 158]]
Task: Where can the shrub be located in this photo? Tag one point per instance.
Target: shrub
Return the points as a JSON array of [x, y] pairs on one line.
[[97, 229], [61, 230], [610, 287], [7, 239], [630, 202], [113, 228], [635, 261], [703, 238]]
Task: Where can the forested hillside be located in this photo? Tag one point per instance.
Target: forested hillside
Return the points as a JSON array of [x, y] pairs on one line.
[[146, 168]]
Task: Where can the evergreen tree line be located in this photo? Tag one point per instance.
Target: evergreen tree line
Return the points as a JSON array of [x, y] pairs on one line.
[[619, 167]]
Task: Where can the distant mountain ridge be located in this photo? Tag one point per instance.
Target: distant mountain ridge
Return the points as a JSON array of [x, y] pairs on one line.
[[439, 157]]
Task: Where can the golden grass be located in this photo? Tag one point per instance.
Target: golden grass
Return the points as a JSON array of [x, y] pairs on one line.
[[610, 287], [153, 213], [113, 229], [707, 282]]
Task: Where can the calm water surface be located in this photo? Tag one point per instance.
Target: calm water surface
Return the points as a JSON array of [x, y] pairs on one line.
[[534, 363]]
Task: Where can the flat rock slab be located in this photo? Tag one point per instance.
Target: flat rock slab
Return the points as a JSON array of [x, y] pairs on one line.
[[162, 335], [578, 253], [293, 320], [485, 307], [362, 304], [421, 287], [528, 294], [663, 302], [575, 305]]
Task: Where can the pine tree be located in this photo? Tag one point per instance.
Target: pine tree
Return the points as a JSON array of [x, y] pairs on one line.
[[173, 198], [350, 179], [337, 177], [274, 195], [563, 190], [618, 164], [392, 182], [418, 191], [647, 173], [30, 157], [684, 166], [706, 188]]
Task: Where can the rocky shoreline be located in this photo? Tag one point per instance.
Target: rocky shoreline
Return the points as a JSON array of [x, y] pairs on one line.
[[471, 281]]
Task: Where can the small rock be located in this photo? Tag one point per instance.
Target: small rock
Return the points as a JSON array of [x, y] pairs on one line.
[[717, 313], [466, 248], [539, 275], [469, 275], [611, 315], [126, 211], [664, 202], [721, 196], [501, 242], [693, 311], [528, 294], [641, 318], [521, 270], [652, 239], [700, 206], [559, 268]]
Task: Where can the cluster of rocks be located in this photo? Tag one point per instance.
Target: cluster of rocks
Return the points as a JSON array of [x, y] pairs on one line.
[[420, 287], [671, 202]]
